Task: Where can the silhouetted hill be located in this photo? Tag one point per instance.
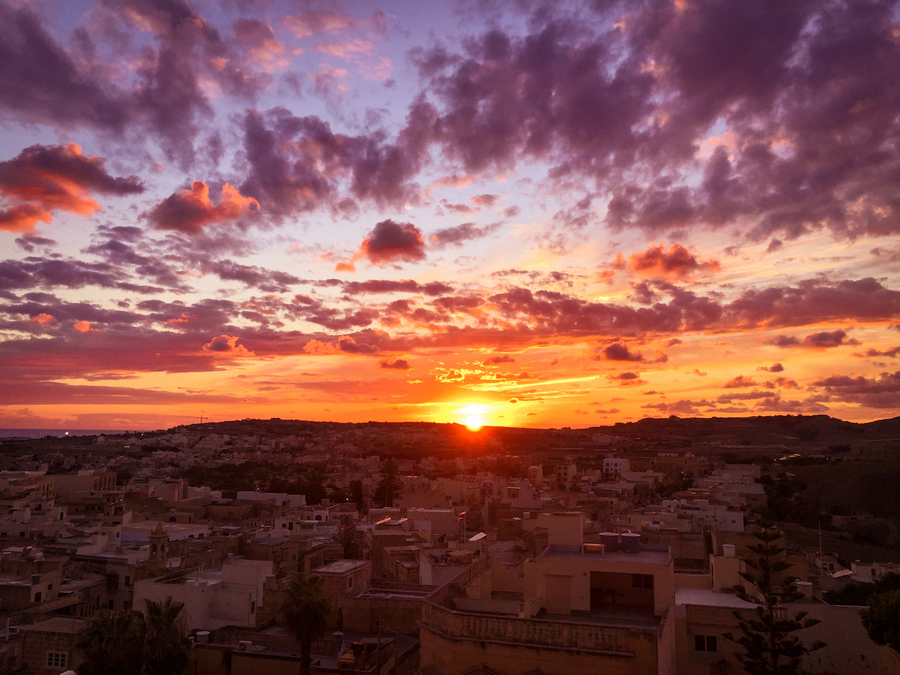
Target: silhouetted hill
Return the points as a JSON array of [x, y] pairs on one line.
[[761, 430], [776, 430]]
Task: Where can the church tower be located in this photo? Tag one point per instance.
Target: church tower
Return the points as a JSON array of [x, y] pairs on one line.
[[159, 546]]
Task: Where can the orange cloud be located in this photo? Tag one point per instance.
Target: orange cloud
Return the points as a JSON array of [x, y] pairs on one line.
[[318, 347], [389, 242], [85, 327], [23, 218], [676, 263], [43, 179], [227, 346], [183, 318], [189, 211]]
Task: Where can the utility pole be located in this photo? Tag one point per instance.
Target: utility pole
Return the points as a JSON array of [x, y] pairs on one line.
[[820, 543], [466, 507]]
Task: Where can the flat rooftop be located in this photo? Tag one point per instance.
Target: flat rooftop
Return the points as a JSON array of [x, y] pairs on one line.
[[341, 566], [147, 526], [614, 617], [706, 598], [58, 624], [399, 593], [648, 554], [13, 580]]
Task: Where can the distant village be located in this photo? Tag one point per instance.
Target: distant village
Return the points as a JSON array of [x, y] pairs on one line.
[[469, 556]]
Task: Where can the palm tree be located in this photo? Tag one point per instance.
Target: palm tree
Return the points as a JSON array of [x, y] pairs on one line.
[[112, 644], [128, 643], [166, 647], [305, 612]]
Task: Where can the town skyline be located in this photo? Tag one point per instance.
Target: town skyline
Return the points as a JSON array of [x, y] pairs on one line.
[[563, 214]]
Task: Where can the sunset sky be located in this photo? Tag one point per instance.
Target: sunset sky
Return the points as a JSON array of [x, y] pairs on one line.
[[533, 213]]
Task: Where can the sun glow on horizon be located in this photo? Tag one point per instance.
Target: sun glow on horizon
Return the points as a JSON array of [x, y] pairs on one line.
[[474, 422], [473, 415]]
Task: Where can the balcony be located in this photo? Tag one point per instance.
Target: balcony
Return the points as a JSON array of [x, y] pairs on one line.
[[583, 635]]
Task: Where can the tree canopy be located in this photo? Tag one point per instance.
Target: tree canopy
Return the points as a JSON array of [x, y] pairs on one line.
[[131, 643], [882, 618], [389, 485], [305, 612]]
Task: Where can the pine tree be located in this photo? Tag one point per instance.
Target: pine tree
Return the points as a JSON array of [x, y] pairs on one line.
[[356, 495], [389, 485], [767, 635]]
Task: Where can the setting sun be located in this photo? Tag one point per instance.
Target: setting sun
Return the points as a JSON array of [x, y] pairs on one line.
[[474, 423]]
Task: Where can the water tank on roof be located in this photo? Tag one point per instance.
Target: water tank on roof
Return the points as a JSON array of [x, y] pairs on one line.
[[631, 543], [610, 541]]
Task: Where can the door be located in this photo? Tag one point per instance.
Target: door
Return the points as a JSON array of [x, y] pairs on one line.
[[559, 594]]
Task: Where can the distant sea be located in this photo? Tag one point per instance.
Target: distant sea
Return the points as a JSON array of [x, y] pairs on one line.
[[40, 433]]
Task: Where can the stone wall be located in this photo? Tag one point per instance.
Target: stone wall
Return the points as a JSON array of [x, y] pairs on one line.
[[38, 641]]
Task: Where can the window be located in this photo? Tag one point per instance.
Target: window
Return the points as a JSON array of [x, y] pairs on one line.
[[252, 606], [57, 659], [350, 582], [642, 581], [705, 643]]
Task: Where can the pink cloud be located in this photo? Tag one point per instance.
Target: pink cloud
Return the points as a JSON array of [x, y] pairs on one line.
[[313, 22], [262, 48], [345, 50]]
